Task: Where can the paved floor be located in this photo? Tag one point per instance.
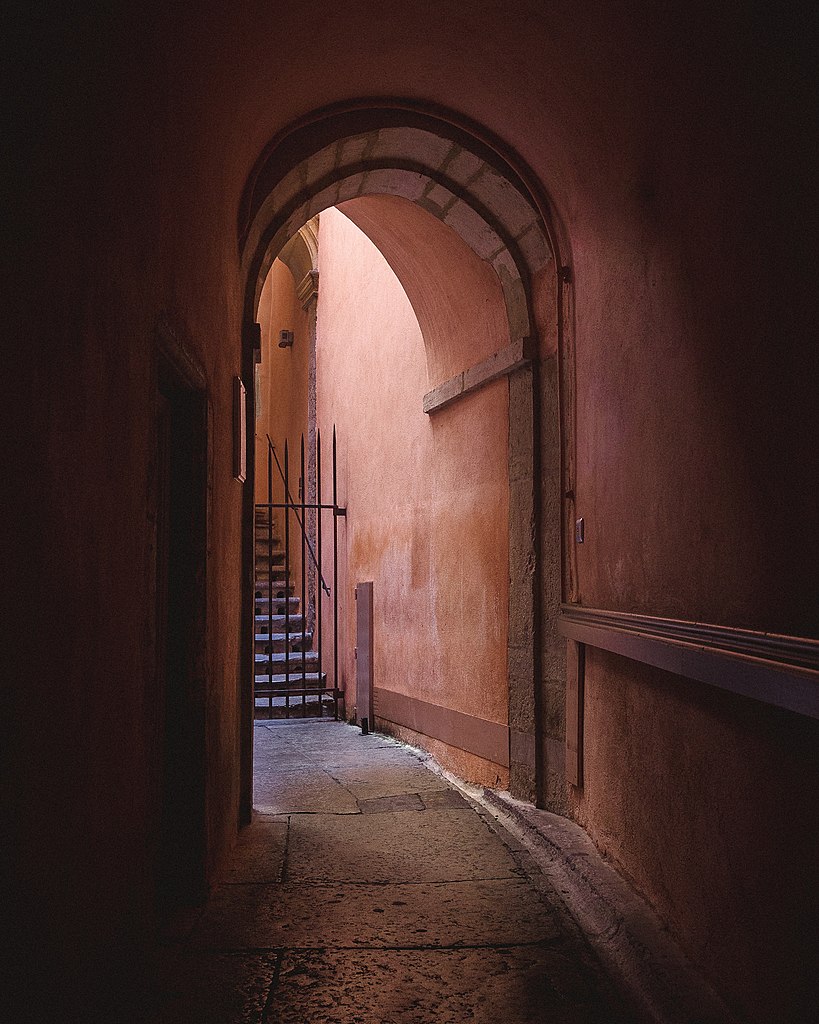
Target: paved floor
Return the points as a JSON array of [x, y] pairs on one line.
[[368, 891]]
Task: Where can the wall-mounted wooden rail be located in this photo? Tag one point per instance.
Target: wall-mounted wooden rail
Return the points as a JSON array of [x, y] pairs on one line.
[[769, 667]]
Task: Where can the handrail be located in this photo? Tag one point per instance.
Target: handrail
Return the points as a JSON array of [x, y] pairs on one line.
[[288, 498], [768, 667]]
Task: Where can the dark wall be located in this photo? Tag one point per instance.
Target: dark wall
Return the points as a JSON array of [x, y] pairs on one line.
[[675, 143]]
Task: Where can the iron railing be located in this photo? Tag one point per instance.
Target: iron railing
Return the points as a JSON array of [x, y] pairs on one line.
[[279, 688]]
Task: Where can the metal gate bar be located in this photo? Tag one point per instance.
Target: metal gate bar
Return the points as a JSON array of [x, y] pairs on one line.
[[303, 644], [302, 687], [269, 644]]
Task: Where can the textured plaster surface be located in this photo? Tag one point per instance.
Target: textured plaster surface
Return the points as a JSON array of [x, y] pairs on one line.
[[728, 781], [416, 908], [661, 142], [426, 497], [283, 376], [456, 296]]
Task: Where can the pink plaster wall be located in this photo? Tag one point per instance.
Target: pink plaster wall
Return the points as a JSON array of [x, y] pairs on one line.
[[456, 296], [427, 497], [283, 397], [693, 792], [677, 142]]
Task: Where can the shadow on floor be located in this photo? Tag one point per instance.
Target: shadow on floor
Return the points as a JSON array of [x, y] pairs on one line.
[[368, 890]]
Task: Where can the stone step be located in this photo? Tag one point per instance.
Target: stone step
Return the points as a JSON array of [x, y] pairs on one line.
[[297, 636], [297, 641], [294, 661], [262, 583], [262, 604], [297, 680], [295, 621], [316, 704], [262, 593], [264, 598], [262, 569], [274, 555]]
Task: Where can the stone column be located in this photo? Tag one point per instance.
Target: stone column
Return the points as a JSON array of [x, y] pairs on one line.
[[522, 654]]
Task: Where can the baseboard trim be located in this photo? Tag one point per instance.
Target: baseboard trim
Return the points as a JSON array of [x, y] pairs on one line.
[[489, 740]]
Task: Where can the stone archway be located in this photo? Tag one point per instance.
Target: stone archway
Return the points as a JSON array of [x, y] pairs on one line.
[[300, 256], [469, 186]]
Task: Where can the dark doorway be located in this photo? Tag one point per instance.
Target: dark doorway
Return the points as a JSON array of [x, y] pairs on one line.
[[181, 551]]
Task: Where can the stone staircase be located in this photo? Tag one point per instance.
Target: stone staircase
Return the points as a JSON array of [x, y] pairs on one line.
[[286, 678]]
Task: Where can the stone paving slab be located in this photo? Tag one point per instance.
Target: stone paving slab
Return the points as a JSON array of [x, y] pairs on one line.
[[374, 757], [299, 915], [385, 777], [301, 791], [326, 736], [523, 985], [208, 988], [368, 891], [351, 752], [438, 799], [268, 748], [404, 846], [259, 854], [389, 804]]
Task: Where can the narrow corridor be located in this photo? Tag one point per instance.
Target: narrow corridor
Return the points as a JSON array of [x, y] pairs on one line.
[[369, 890]]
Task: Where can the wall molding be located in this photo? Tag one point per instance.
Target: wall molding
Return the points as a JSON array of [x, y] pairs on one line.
[[514, 357], [769, 667], [489, 740], [307, 289]]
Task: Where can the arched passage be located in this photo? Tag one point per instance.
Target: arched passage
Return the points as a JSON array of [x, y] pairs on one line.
[[465, 197], [445, 170]]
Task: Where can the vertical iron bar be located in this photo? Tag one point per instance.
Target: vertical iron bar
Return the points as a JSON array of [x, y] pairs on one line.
[[303, 588], [335, 580], [269, 644], [286, 581], [319, 511]]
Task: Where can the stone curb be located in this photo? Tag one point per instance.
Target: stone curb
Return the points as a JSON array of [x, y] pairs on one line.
[[643, 960]]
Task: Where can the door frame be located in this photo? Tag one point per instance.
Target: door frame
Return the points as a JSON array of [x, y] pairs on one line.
[[179, 728]]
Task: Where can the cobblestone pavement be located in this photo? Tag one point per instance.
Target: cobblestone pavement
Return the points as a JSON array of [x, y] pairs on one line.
[[369, 891]]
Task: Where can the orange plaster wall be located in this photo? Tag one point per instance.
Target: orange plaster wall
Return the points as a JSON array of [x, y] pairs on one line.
[[283, 396], [427, 497], [282, 377], [456, 296]]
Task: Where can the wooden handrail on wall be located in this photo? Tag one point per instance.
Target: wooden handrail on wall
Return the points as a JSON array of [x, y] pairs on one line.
[[768, 667]]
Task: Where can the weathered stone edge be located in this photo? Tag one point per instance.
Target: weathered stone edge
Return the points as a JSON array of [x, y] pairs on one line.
[[506, 361], [643, 959]]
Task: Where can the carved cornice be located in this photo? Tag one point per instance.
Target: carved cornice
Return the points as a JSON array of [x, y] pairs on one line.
[[307, 288], [300, 256], [769, 667]]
